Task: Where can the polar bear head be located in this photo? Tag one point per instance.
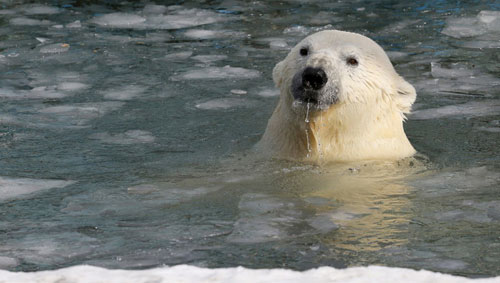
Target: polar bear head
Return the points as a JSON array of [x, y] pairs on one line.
[[341, 99]]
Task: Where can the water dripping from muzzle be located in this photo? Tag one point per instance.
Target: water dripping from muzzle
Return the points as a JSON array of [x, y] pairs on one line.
[[307, 131]]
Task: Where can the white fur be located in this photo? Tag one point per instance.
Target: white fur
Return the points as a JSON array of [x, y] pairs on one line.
[[367, 120]]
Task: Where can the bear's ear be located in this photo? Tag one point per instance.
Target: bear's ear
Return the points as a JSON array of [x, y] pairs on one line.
[[406, 95], [278, 73]]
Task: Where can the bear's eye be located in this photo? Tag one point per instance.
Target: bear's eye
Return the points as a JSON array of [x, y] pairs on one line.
[[352, 61], [304, 51]]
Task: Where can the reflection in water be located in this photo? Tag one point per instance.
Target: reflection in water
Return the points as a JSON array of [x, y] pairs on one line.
[[370, 203]]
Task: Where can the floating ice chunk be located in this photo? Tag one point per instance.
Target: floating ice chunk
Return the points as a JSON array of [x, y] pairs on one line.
[[481, 44], [42, 39], [269, 92], [74, 116], [302, 30], [491, 19], [463, 27], [176, 19], [493, 127], [179, 56], [7, 12], [142, 189], [217, 73], [119, 20], [485, 21], [297, 30], [29, 22], [210, 34], [396, 55], [55, 48], [238, 91], [154, 9], [278, 44], [263, 218], [71, 86], [459, 71], [45, 92], [223, 103], [14, 188], [185, 18], [449, 182], [469, 109], [125, 93], [323, 223], [75, 24], [209, 58], [129, 137], [8, 262], [40, 10]]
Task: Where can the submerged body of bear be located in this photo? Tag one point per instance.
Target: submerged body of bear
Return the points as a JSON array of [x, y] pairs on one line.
[[341, 100]]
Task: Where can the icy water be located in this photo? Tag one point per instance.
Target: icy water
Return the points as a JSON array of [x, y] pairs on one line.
[[126, 132]]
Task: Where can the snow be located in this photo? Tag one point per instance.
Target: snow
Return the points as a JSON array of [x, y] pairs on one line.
[[473, 108], [186, 274], [17, 187], [217, 73], [129, 137]]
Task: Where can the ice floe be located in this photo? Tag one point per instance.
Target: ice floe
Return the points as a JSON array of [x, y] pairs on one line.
[[17, 187], [128, 137], [217, 73]]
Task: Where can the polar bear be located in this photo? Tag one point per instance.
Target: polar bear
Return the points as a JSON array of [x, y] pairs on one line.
[[340, 100]]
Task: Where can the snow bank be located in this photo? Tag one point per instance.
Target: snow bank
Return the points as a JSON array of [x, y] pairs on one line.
[[185, 273]]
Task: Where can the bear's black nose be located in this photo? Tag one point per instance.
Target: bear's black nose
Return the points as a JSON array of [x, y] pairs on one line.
[[314, 78]]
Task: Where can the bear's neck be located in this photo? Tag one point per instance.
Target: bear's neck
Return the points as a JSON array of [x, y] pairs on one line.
[[344, 132]]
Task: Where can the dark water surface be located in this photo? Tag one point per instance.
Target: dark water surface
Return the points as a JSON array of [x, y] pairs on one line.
[[123, 130]]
